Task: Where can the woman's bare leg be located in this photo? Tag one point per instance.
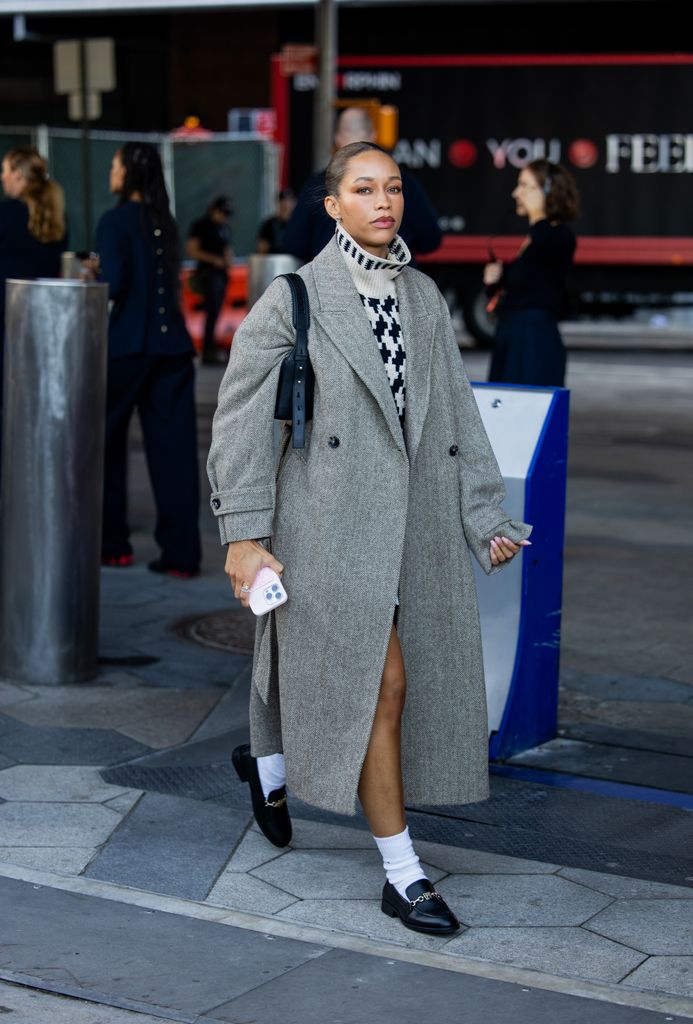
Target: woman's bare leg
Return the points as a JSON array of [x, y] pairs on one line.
[[380, 788]]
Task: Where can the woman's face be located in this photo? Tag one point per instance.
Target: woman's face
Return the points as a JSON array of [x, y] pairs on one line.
[[370, 203], [528, 195], [13, 181], [117, 176]]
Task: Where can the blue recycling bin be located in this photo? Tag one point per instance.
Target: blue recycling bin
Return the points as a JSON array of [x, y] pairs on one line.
[[520, 608]]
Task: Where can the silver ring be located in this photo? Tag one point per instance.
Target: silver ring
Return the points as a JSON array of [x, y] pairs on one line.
[[245, 589]]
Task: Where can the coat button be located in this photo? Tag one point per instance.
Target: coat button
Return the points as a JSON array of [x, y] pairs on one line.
[[216, 503], [333, 442], [164, 328], [453, 449]]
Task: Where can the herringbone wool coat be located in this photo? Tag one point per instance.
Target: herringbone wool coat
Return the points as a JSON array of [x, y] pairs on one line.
[[363, 515]]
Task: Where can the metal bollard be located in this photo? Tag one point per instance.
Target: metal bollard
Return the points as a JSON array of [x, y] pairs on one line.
[[262, 270], [52, 480]]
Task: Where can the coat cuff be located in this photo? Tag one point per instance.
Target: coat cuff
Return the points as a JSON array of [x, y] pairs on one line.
[[245, 526], [480, 545]]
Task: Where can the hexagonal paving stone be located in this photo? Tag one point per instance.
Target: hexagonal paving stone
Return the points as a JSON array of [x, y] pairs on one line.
[[516, 900], [671, 974], [243, 892], [573, 952], [623, 887], [360, 917], [62, 860], [330, 874], [464, 861], [51, 783], [663, 927], [25, 824]]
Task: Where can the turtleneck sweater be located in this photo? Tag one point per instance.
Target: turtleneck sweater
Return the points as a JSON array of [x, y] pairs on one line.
[[375, 279]]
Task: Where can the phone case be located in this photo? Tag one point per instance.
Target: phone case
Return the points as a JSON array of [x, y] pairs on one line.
[[266, 592]]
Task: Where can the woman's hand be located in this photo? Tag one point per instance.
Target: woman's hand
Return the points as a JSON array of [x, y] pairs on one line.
[[244, 559], [493, 272], [502, 549]]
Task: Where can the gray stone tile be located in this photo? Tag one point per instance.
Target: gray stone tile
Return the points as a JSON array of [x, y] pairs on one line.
[[171, 845], [344, 986], [517, 900], [660, 927], [29, 824], [252, 851], [671, 974], [125, 801], [154, 717], [13, 693], [175, 967], [63, 860], [316, 835], [464, 861], [243, 892], [55, 783], [623, 888], [45, 1008], [5, 762], [360, 917], [567, 951], [29, 744], [330, 874]]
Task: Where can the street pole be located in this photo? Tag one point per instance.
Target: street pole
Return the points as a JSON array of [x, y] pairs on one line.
[[326, 40], [86, 165]]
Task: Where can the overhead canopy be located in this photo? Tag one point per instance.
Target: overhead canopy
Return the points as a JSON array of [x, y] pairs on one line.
[[139, 6]]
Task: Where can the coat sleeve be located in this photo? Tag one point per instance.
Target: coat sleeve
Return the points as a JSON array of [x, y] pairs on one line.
[[481, 485], [241, 460], [114, 255]]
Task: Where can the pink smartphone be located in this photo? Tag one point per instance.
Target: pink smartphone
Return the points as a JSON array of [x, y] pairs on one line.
[[266, 592]]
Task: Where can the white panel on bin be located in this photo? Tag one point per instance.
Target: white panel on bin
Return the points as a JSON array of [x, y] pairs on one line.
[[514, 420]]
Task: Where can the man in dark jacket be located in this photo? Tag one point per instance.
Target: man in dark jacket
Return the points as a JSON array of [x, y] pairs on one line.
[[310, 229]]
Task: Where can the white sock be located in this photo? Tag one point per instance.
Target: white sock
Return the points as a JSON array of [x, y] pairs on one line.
[[272, 772], [401, 864]]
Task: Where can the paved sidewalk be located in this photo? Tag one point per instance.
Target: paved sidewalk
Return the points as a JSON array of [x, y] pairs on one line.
[[134, 875]]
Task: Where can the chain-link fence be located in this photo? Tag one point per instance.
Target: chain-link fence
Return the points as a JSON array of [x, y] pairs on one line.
[[196, 171]]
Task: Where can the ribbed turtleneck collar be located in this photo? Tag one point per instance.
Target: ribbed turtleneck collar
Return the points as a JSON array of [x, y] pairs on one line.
[[373, 275]]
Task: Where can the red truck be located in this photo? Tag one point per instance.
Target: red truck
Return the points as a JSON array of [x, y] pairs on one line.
[[467, 124]]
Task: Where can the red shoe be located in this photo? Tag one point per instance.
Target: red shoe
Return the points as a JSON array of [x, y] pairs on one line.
[[118, 561], [171, 570]]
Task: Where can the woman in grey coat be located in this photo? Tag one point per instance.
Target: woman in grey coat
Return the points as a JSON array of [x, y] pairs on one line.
[[368, 683]]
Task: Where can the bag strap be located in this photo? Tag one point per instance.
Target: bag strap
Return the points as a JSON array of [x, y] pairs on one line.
[[300, 316]]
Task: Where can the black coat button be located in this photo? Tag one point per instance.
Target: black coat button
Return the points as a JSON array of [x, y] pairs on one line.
[[333, 442], [216, 503], [453, 449]]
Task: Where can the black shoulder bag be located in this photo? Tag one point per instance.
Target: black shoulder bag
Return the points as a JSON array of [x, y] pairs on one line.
[[297, 379]]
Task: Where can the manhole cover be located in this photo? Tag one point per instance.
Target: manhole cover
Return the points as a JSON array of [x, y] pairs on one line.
[[230, 629]]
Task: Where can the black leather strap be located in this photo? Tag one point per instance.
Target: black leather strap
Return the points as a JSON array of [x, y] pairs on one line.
[[300, 315]]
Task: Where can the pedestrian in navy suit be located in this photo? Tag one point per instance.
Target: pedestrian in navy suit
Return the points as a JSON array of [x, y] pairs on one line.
[[150, 365]]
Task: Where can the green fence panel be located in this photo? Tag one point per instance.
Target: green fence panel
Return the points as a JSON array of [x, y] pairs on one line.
[[204, 170]]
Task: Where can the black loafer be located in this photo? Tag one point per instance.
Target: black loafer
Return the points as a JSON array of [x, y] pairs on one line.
[[424, 910], [271, 814]]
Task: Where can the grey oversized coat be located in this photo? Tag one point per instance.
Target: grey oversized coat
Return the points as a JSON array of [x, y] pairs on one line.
[[359, 517]]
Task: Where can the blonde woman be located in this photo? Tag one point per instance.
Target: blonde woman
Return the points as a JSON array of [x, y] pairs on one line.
[[32, 224]]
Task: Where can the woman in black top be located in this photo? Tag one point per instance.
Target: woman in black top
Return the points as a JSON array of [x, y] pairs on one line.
[[150, 365], [528, 345]]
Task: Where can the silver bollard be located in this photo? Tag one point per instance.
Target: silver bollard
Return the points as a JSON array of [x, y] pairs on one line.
[[52, 480], [262, 270]]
